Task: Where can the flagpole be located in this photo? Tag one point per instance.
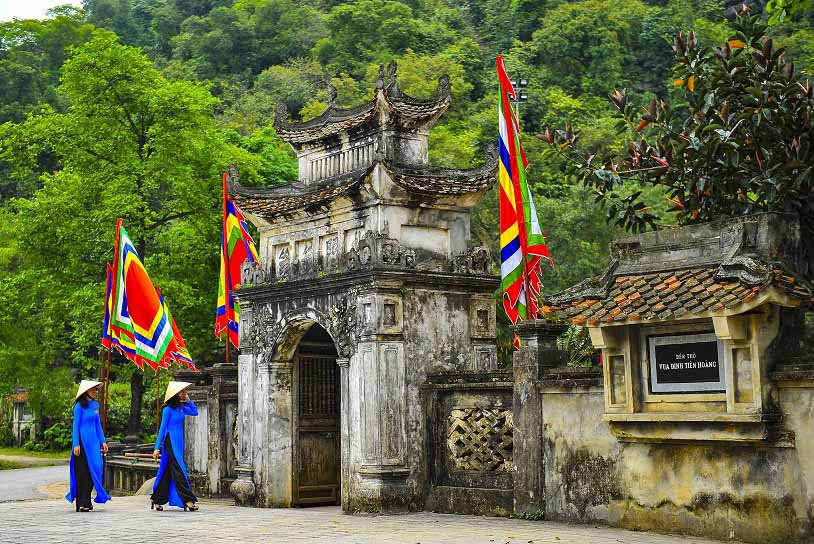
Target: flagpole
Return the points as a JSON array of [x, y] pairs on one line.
[[157, 401], [113, 297], [102, 370]]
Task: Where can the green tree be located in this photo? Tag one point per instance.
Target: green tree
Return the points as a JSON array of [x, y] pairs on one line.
[[134, 145], [366, 31], [31, 54], [739, 141]]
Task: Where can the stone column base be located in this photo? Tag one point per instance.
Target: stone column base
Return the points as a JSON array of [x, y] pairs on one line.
[[383, 490], [242, 489]]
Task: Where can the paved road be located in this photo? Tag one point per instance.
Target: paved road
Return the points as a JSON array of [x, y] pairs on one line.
[[34, 461], [127, 520], [24, 483]]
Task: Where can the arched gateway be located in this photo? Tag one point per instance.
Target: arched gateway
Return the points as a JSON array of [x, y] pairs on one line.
[[367, 284]]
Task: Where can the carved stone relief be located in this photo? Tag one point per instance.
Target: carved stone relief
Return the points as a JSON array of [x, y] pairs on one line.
[[283, 263], [475, 261], [264, 329], [306, 258], [344, 324], [480, 439], [281, 379], [252, 274]]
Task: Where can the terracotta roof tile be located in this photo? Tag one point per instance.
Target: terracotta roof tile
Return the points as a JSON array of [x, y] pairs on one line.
[[665, 295]]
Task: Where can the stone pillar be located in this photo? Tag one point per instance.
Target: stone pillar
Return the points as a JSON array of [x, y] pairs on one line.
[[538, 349], [279, 462], [223, 376], [344, 433], [243, 488]]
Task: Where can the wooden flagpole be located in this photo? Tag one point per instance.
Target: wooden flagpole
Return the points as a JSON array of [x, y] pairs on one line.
[[157, 399], [107, 393], [113, 293]]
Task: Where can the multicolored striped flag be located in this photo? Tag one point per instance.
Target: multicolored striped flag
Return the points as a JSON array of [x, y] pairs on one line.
[[177, 351], [138, 322], [522, 242], [237, 245]]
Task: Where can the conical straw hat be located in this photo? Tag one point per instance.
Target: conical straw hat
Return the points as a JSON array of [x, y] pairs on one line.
[[173, 388], [86, 386]]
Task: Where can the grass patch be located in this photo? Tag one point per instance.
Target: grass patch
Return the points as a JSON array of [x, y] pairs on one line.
[[41, 454], [8, 465]]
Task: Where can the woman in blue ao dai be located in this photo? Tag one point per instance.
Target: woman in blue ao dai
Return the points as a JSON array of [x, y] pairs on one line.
[[172, 482], [89, 444]]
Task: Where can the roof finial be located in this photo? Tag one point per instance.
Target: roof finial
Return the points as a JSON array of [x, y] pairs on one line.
[[280, 115], [443, 89], [392, 74], [232, 176], [380, 79], [331, 95]]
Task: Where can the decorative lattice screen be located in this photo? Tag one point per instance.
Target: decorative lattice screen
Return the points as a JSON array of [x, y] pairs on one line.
[[480, 439]]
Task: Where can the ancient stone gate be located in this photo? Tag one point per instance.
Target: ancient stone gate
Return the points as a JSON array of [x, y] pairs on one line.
[[367, 283]]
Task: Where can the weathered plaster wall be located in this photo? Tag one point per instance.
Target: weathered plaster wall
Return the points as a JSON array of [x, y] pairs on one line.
[[582, 472], [750, 493], [436, 337]]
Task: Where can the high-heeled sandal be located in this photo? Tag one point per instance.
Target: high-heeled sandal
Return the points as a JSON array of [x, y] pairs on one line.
[[191, 508], [84, 509], [158, 507]]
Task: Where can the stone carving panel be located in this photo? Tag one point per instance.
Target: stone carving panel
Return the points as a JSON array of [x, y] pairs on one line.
[[306, 258], [480, 439], [283, 263], [475, 261], [264, 329], [344, 324], [252, 274], [376, 250]]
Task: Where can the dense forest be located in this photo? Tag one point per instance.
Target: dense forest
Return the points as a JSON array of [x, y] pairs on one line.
[[132, 108]]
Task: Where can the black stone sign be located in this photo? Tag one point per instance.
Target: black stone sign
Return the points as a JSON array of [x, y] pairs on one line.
[[690, 363]]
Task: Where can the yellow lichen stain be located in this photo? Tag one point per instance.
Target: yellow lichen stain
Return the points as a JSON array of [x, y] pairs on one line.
[[757, 519]]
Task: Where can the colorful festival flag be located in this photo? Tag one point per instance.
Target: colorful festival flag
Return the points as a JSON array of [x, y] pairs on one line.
[[237, 245], [138, 322], [177, 351], [522, 242]]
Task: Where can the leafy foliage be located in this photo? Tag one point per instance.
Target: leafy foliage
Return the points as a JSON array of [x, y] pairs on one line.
[[156, 96], [739, 142]]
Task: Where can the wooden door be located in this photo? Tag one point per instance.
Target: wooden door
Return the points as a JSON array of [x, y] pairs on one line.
[[318, 457]]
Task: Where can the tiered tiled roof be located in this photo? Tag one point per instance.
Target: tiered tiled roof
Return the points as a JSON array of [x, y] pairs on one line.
[[443, 181], [402, 110], [274, 202], [332, 121], [21, 395], [715, 269]]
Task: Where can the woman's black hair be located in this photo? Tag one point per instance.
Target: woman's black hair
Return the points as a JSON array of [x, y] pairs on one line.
[[83, 399], [173, 402]]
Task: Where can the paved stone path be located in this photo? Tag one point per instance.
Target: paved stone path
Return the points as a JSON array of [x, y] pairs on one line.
[[25, 483], [127, 520]]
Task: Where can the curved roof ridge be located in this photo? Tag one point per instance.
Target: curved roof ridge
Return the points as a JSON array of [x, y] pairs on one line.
[[272, 202], [445, 181], [335, 119]]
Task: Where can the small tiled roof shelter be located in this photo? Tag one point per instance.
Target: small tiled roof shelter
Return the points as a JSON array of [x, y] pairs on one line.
[[729, 283]]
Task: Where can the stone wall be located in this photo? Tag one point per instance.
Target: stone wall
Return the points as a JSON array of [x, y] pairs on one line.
[[471, 444], [747, 492]]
